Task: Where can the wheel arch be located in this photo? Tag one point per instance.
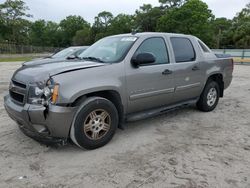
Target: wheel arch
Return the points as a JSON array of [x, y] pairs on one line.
[[111, 95], [217, 77]]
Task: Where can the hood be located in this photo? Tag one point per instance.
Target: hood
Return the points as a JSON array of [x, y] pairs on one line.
[[42, 72], [42, 61]]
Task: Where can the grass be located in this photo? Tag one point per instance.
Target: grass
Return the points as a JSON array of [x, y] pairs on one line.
[[239, 60], [12, 59]]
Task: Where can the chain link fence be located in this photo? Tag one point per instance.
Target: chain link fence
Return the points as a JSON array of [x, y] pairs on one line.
[[9, 48], [239, 55]]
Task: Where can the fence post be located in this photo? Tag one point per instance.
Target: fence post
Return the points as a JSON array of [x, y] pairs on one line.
[[243, 55], [9, 46]]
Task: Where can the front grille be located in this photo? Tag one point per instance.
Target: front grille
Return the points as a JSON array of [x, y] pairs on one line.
[[17, 96], [18, 91], [19, 84]]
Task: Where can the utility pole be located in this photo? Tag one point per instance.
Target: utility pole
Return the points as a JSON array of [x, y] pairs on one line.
[[218, 38]]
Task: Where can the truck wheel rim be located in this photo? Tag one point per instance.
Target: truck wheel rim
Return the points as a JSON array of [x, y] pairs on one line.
[[211, 97], [97, 124]]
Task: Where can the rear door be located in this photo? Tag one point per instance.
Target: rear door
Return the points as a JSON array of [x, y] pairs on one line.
[[150, 85], [187, 70]]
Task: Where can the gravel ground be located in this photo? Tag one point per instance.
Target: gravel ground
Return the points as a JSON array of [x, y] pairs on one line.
[[183, 148]]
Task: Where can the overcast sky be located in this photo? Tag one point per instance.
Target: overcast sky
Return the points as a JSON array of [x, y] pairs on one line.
[[56, 10]]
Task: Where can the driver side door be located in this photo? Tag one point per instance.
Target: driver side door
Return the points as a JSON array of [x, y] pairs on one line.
[[150, 85]]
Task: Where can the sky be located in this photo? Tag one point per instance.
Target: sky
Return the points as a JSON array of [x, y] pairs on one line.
[[56, 10]]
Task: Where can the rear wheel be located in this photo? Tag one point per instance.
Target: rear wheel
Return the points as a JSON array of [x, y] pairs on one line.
[[209, 97], [95, 123]]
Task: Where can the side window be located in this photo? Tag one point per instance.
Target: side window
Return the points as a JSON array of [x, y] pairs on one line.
[[203, 47], [183, 49], [157, 47]]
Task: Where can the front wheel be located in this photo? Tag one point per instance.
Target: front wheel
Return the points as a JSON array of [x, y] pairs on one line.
[[95, 123], [209, 97]]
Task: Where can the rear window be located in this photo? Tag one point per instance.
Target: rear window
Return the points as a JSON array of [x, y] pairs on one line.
[[183, 49], [203, 47]]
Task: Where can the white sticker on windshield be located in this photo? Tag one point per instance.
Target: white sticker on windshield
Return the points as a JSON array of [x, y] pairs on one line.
[[129, 39]]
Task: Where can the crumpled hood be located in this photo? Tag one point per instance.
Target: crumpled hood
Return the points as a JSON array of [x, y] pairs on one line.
[[42, 61], [42, 72]]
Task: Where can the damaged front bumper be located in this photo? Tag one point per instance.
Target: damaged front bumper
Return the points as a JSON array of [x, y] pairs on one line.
[[49, 124]]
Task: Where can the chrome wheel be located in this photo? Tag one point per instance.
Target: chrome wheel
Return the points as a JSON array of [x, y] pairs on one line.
[[97, 124], [211, 97]]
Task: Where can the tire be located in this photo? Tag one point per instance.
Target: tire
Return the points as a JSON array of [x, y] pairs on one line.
[[209, 97], [95, 123]]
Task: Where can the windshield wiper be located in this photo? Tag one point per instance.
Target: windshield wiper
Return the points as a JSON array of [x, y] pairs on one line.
[[93, 59]]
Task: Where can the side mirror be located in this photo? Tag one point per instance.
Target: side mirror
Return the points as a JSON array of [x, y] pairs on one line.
[[143, 58], [71, 57]]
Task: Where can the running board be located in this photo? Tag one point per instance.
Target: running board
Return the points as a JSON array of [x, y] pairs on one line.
[[158, 111]]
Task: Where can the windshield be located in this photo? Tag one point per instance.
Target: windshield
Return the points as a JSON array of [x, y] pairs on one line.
[[109, 50], [64, 53]]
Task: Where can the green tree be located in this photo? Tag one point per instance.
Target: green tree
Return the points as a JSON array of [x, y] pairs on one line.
[[221, 27], [240, 31], [13, 23], [146, 17], [3, 28], [193, 17], [178, 16], [69, 26], [103, 19], [100, 27], [82, 37], [122, 23], [52, 34], [37, 32], [44, 33]]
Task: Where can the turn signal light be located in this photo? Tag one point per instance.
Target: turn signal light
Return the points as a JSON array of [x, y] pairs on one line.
[[55, 93]]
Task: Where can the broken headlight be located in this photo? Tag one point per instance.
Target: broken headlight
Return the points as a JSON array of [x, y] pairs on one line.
[[43, 93]]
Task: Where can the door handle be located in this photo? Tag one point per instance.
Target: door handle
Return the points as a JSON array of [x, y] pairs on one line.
[[195, 68], [166, 72]]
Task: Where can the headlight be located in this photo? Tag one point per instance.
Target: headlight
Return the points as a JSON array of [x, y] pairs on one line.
[[43, 94]]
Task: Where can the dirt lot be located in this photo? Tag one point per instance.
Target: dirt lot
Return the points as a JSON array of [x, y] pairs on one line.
[[184, 148]]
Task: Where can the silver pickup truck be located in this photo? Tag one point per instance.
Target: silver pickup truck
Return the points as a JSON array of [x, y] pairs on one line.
[[119, 78]]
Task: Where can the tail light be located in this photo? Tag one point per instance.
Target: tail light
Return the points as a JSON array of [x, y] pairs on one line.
[[232, 61]]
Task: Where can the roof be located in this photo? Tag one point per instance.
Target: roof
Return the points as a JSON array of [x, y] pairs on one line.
[[151, 34]]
